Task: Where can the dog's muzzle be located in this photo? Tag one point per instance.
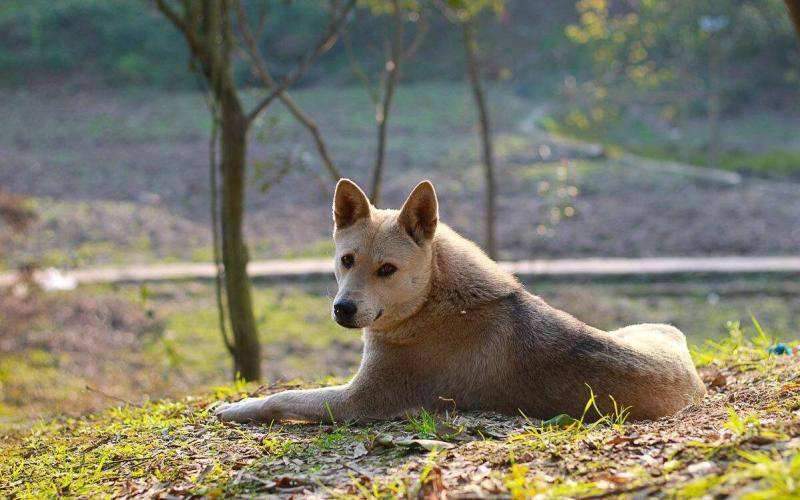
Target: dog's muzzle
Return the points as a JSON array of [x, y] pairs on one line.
[[344, 312]]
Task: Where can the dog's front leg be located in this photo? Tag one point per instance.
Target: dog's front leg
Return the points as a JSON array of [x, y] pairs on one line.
[[339, 403]]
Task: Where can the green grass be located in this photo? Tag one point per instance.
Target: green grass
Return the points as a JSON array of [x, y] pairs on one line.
[[762, 144], [300, 341], [135, 447], [736, 345], [177, 442]]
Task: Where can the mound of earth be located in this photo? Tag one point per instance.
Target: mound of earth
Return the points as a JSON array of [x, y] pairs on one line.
[[742, 440]]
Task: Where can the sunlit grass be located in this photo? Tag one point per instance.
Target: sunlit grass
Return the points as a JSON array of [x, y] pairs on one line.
[[737, 346]]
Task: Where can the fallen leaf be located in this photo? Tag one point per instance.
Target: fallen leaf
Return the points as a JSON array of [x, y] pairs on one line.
[[426, 444], [561, 420]]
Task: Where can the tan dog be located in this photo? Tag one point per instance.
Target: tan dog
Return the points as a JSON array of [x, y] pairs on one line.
[[444, 327]]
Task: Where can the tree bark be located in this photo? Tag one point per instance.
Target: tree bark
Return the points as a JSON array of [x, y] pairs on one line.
[[247, 350], [234, 124], [382, 114], [794, 14], [484, 126]]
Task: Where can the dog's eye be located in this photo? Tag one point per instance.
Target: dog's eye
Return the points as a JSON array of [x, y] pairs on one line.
[[386, 270], [348, 260]]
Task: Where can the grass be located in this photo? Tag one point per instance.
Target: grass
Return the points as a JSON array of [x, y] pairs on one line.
[[757, 143], [735, 346], [748, 429], [743, 438], [164, 339]]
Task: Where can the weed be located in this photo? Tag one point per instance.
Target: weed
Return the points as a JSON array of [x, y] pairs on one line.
[[741, 425], [736, 348], [423, 425]]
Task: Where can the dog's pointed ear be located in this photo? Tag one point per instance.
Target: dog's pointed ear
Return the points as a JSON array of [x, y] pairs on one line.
[[349, 204], [420, 212]]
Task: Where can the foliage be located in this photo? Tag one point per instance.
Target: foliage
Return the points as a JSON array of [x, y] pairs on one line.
[[124, 42], [468, 9], [660, 54], [41, 36], [737, 345]]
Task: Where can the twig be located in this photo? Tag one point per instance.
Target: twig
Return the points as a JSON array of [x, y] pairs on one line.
[[419, 37], [358, 70], [194, 45], [359, 470], [260, 65], [322, 46], [392, 74], [109, 396]]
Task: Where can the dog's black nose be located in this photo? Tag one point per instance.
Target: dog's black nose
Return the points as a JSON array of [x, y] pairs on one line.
[[344, 310]]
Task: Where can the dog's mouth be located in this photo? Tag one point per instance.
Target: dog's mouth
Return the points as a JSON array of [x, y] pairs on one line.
[[351, 323], [346, 323]]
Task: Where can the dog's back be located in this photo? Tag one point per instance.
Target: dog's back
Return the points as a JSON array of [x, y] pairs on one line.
[[482, 342]]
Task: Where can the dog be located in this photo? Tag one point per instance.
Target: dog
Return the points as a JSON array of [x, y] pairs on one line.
[[445, 328]]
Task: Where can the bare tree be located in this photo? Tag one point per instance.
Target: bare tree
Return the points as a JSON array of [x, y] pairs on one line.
[[794, 13], [485, 131], [383, 96], [260, 68], [208, 30], [465, 13], [382, 113]]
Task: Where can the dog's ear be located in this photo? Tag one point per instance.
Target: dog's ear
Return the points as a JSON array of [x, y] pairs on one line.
[[420, 212], [349, 204]]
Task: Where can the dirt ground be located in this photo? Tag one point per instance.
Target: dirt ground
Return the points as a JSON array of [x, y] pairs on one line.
[[122, 177], [741, 441], [73, 353]]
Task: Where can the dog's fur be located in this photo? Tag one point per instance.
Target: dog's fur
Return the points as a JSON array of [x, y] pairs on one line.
[[449, 329]]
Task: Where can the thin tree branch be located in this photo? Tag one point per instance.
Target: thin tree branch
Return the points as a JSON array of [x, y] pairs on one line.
[[422, 31], [324, 44], [215, 223], [185, 26], [794, 13], [358, 70], [170, 14], [262, 21], [479, 94], [260, 65], [382, 114]]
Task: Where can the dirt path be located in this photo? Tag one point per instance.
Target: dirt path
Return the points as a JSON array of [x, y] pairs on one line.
[[316, 268]]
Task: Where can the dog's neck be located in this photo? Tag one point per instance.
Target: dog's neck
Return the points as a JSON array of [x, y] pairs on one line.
[[463, 276]]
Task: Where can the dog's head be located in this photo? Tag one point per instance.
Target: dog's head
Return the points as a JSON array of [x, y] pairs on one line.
[[383, 257]]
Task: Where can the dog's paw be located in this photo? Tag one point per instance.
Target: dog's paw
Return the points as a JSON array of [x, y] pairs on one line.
[[247, 410]]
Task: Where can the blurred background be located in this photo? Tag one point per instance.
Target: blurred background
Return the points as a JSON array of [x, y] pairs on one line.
[[551, 130]]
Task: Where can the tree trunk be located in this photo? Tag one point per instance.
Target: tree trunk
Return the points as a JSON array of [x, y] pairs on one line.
[[382, 114], [794, 13], [206, 26], [473, 72], [247, 351]]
